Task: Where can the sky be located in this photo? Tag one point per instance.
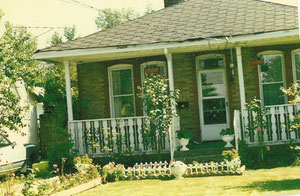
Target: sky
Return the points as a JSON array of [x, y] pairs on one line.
[[61, 13]]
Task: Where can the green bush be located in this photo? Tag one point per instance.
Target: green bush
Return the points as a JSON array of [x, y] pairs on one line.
[[59, 150], [274, 156]]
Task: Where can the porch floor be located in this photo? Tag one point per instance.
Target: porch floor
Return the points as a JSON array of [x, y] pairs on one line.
[[202, 152]]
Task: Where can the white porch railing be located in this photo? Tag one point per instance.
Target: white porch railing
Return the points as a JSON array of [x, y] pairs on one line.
[[101, 137], [278, 120]]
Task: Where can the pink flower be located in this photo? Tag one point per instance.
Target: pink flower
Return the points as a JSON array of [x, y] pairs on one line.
[[258, 129], [54, 166], [233, 150], [268, 148]]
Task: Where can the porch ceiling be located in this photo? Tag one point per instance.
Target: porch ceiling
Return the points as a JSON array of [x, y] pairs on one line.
[[115, 53]]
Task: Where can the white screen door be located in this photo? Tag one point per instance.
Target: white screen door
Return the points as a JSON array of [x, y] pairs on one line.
[[213, 103]]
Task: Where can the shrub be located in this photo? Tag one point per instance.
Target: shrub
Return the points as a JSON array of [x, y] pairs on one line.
[[60, 150], [156, 98], [274, 156]]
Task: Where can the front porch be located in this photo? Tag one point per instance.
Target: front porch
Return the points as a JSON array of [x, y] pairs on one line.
[[102, 137], [213, 93], [277, 131]]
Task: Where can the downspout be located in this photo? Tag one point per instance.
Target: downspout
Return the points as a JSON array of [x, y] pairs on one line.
[[171, 86]]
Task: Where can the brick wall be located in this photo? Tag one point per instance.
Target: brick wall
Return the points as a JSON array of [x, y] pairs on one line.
[[251, 72]]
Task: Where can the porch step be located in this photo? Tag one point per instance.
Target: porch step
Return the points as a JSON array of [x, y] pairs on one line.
[[200, 155]]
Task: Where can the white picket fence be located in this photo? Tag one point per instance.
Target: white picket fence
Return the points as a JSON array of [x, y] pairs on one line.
[[101, 137], [278, 120], [162, 169]]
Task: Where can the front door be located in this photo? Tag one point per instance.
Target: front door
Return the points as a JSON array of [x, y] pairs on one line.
[[213, 103]]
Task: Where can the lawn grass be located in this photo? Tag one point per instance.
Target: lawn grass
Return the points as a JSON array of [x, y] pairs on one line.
[[278, 181]]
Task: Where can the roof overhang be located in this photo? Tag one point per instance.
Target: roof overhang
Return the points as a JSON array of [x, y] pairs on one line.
[[114, 53]]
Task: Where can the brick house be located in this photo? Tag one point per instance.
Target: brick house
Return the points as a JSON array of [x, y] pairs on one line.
[[207, 49]]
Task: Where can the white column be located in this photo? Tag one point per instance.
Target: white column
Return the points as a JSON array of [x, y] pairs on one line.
[[170, 74], [171, 86], [241, 77], [68, 90]]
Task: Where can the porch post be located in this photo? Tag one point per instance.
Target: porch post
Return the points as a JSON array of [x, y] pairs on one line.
[[171, 86], [241, 78], [68, 90]]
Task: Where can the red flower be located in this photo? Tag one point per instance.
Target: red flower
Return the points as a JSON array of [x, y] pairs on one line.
[[233, 150], [182, 129], [54, 166], [258, 129], [268, 148]]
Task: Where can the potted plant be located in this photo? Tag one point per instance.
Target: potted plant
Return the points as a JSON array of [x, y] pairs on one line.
[[178, 168], [184, 138], [227, 136]]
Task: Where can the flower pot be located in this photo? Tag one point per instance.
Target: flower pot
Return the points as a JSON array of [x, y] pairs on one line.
[[228, 139], [183, 142], [178, 168]]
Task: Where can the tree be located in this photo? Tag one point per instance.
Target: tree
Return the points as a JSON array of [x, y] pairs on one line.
[[55, 106], [108, 18], [69, 35], [149, 8], [16, 63]]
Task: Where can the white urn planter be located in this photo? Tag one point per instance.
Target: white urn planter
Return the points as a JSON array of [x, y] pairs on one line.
[[184, 142], [228, 139], [178, 168]]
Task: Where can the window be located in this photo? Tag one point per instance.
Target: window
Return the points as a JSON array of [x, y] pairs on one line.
[[3, 141], [296, 65], [121, 91], [272, 78], [153, 67]]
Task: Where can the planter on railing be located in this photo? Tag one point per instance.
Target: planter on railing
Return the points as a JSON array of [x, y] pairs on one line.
[[278, 120], [114, 135]]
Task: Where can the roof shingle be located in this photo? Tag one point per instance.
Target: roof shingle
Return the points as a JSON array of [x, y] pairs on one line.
[[193, 19]]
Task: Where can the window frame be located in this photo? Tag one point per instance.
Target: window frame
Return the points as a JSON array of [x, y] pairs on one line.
[[159, 63], [271, 53], [110, 80], [293, 54]]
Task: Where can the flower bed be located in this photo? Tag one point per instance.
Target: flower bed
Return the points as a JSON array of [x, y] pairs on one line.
[[163, 170]]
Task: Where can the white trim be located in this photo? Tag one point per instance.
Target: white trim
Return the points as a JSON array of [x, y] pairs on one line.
[[158, 63], [271, 53], [293, 54], [161, 46], [199, 85], [110, 83], [68, 90], [241, 77]]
